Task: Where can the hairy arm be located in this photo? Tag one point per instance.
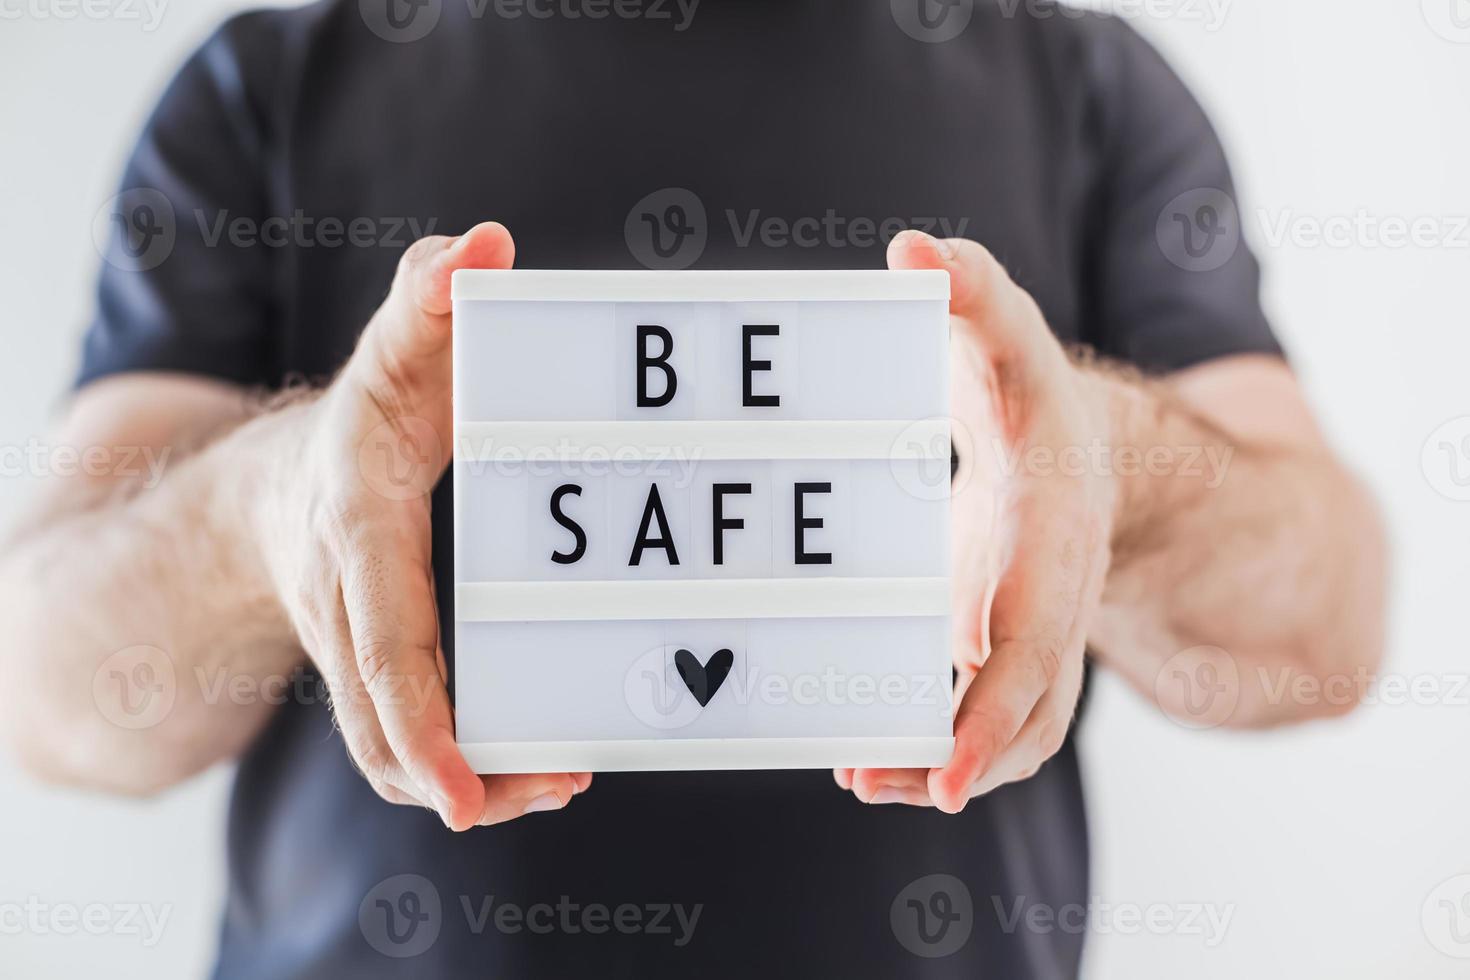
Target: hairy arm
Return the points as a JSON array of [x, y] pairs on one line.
[[1193, 531], [145, 571], [1249, 541], [275, 534]]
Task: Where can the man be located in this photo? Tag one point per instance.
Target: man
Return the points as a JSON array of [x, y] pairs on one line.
[[1062, 143]]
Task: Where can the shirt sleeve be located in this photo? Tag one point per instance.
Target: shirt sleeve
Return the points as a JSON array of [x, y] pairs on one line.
[[1170, 281], [179, 290]]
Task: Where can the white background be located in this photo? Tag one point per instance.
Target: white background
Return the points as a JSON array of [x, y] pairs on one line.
[[1326, 839]]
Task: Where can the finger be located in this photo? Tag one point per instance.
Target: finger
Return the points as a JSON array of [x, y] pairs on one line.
[[521, 794], [395, 636], [1056, 571], [353, 711], [411, 330], [993, 710], [843, 777], [891, 785], [1031, 628], [896, 785], [1043, 734]]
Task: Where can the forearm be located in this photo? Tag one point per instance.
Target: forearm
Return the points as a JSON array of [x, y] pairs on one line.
[[177, 567], [1270, 552]]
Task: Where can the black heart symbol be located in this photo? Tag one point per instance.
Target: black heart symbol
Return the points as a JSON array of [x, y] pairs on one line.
[[704, 681]]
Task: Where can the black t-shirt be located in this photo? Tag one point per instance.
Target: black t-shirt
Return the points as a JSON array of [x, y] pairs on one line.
[[1061, 141]]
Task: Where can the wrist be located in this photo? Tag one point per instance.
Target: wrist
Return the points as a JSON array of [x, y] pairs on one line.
[[274, 459], [1131, 415]]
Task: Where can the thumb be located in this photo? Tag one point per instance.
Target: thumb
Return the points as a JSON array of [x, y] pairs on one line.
[[408, 338], [988, 307]]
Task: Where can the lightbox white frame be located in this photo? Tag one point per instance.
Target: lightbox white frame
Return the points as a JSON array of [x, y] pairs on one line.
[[702, 598]]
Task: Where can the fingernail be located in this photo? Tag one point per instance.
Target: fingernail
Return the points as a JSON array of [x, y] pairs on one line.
[[441, 806], [543, 803], [887, 795], [913, 237], [941, 245]]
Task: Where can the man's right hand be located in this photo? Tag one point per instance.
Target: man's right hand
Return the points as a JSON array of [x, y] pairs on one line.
[[348, 524]]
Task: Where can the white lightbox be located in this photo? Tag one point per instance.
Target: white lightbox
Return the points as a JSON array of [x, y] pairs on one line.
[[701, 520]]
